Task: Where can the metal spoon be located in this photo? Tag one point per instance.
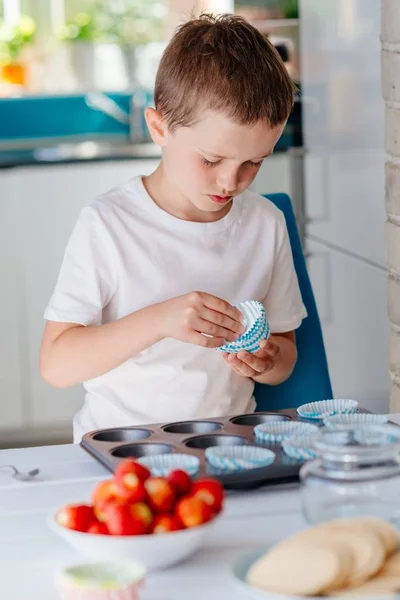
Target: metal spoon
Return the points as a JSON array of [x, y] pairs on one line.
[[21, 476]]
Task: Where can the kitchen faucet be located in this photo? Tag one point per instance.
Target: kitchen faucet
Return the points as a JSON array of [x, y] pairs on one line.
[[133, 119]]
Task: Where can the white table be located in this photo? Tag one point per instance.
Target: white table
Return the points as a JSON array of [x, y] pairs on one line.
[[30, 552]]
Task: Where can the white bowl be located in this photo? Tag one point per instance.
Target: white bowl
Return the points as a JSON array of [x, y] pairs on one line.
[[155, 551]]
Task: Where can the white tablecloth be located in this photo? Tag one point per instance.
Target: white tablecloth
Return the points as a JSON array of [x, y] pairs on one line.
[[30, 552]]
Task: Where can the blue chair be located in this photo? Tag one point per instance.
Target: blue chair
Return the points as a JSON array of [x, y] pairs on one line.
[[310, 379]]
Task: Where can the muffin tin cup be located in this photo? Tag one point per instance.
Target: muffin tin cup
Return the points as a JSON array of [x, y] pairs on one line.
[[192, 438]]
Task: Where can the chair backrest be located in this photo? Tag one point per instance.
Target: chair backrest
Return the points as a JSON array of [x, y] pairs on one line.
[[310, 379]]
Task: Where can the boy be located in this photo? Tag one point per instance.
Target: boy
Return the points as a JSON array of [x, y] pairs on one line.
[[154, 267]]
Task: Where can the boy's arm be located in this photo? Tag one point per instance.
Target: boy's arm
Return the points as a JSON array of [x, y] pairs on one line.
[[272, 364], [72, 353]]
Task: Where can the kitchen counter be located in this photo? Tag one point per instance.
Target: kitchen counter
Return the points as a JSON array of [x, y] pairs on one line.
[[79, 152]]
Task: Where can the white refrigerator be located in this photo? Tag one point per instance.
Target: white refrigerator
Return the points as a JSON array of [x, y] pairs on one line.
[[344, 189]]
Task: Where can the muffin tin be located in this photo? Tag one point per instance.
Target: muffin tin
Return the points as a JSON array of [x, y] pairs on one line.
[[110, 446]]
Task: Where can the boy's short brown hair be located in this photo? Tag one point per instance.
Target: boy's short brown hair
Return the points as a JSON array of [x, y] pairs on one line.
[[225, 64]]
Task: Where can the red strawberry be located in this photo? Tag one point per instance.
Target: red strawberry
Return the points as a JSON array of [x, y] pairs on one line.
[[99, 528], [104, 492], [210, 491], [76, 516], [160, 493], [142, 512], [131, 489], [120, 521], [180, 481], [128, 466], [165, 522], [192, 511]]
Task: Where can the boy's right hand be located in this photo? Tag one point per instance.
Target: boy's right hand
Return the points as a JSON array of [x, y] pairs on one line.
[[196, 316]]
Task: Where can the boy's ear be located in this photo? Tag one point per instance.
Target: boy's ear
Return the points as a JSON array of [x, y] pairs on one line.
[[156, 126]]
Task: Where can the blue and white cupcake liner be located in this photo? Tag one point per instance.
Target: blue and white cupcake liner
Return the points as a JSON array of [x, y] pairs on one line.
[[324, 408], [300, 448], [359, 443], [238, 458], [376, 435], [279, 431], [361, 419], [257, 328], [161, 465]]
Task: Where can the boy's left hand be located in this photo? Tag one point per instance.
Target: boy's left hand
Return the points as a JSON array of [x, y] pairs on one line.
[[253, 365]]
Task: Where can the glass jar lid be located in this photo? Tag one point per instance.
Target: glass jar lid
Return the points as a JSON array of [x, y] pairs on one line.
[[359, 445]]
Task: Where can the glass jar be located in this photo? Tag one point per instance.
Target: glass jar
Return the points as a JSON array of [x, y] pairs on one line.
[[356, 473]]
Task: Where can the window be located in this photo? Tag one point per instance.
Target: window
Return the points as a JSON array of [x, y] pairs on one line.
[[72, 45]]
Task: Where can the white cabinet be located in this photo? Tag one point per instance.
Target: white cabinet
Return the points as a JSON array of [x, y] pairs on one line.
[[11, 304], [351, 301], [46, 201], [274, 175], [346, 200]]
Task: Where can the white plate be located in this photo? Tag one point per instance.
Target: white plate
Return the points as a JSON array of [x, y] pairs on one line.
[[243, 564]]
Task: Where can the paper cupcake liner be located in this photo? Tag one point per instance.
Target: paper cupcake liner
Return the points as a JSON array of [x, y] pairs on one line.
[[277, 432], [300, 448], [250, 345], [161, 465], [119, 580], [361, 441], [376, 435], [257, 329], [354, 419], [325, 408], [238, 458]]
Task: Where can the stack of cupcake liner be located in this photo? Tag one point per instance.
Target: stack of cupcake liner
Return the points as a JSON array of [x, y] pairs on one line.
[[257, 328]]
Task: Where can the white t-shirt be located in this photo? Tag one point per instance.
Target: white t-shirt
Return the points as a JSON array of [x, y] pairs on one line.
[[126, 253]]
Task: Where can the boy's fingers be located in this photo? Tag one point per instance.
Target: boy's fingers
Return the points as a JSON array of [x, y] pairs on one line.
[[240, 366], [206, 341], [215, 330], [260, 365], [268, 348], [222, 320], [221, 306]]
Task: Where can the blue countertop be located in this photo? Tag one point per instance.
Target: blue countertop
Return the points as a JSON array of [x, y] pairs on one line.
[[65, 129]]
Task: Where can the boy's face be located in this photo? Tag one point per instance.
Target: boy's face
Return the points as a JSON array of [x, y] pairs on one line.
[[214, 160]]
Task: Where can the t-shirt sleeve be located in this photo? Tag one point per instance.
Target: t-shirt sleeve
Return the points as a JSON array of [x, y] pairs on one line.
[[85, 284], [283, 303]]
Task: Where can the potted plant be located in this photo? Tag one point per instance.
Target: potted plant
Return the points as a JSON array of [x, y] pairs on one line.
[[132, 26], [81, 33], [13, 40]]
